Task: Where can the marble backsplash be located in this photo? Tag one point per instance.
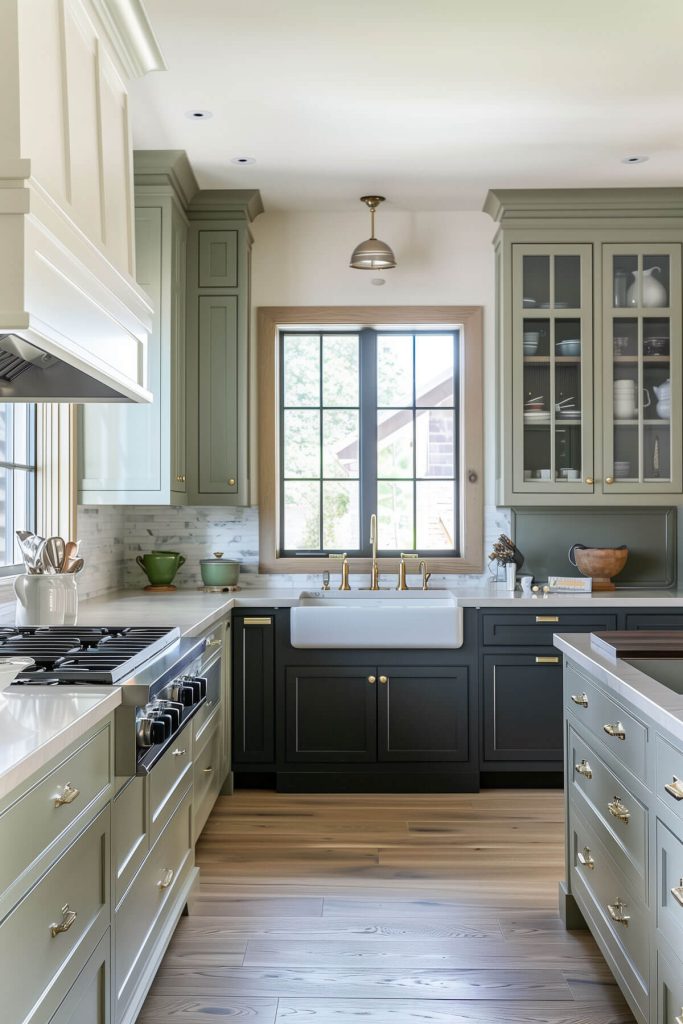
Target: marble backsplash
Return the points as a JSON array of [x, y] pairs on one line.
[[112, 536]]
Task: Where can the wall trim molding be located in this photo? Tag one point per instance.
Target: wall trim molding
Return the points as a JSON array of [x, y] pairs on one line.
[[131, 35]]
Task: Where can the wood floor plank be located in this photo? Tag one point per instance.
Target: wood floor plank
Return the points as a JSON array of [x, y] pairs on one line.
[[199, 1010], [360, 984], [218, 929], [446, 1011]]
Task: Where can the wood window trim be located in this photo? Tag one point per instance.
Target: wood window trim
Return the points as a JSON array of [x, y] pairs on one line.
[[270, 320]]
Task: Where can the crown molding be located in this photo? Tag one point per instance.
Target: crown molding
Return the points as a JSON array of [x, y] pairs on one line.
[[163, 169], [505, 205], [131, 34], [243, 203]]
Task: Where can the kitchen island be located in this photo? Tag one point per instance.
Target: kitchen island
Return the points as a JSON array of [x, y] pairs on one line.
[[623, 729]]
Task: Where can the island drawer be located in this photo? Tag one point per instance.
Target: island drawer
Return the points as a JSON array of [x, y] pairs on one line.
[[619, 817], [670, 887], [669, 991], [48, 938], [622, 920], [616, 729], [170, 776], [669, 776], [536, 629], [51, 808]]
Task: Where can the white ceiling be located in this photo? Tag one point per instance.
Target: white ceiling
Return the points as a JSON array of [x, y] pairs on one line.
[[429, 102]]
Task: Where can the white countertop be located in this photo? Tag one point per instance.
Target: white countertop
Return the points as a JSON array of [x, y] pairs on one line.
[[662, 705], [37, 724], [195, 611]]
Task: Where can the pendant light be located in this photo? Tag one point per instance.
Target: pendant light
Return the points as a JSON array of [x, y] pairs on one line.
[[372, 254]]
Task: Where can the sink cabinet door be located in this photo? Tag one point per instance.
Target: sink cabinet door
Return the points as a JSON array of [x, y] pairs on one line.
[[331, 714], [522, 707], [423, 714]]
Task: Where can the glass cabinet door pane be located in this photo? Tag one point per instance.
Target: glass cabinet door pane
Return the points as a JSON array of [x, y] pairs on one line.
[[641, 280], [536, 281], [643, 408], [567, 282]]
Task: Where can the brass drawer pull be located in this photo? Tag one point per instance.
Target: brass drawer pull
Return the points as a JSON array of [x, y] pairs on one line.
[[178, 752], [583, 768], [616, 912], [547, 618], [585, 859], [372, 679], [384, 680], [615, 729], [257, 620], [67, 796], [547, 659], [231, 482], [619, 810], [166, 879], [207, 771], [214, 643], [677, 893], [68, 918], [675, 788], [581, 699]]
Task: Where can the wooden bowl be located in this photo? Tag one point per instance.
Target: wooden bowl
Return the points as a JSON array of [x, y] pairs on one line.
[[601, 564]]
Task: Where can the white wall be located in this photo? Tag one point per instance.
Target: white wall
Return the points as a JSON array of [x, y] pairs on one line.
[[443, 259]]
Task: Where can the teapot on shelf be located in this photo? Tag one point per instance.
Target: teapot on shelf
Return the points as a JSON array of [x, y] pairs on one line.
[[646, 290], [663, 393]]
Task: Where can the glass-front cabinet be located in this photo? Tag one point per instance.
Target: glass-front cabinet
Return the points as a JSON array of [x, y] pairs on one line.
[[552, 368], [590, 346], [642, 368]]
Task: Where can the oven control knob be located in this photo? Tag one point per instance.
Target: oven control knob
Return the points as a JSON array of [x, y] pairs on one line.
[[174, 710], [199, 683], [143, 731], [195, 686], [166, 720]]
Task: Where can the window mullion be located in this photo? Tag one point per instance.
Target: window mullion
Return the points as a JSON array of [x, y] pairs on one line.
[[368, 434]]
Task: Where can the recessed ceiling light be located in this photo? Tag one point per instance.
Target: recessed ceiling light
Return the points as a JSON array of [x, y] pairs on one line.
[[198, 115], [634, 159], [378, 280], [242, 161]]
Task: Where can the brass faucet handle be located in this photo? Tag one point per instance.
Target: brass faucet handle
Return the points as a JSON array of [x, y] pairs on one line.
[[344, 582], [426, 576]]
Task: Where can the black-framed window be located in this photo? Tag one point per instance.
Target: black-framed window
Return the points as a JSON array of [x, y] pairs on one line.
[[17, 479], [369, 422]]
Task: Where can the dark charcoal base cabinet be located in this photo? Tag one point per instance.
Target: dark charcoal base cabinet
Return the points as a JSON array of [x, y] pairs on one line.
[[410, 721], [353, 721]]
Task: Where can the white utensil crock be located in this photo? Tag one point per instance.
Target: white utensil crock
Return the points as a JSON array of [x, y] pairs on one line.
[[46, 600], [510, 576]]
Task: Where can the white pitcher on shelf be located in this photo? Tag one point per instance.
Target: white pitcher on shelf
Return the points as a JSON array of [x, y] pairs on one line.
[[646, 290]]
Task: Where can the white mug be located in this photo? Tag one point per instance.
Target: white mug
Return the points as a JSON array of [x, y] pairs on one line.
[[46, 600]]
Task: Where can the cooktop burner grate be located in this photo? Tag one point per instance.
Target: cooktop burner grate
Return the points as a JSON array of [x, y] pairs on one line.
[[84, 654]]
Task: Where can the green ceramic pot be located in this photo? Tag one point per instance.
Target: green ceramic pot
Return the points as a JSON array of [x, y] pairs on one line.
[[160, 567], [219, 571]]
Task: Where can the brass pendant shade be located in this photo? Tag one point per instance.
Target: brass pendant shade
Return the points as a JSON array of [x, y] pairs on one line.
[[373, 254]]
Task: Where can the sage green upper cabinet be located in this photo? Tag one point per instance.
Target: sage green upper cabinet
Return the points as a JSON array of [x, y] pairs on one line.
[[137, 454], [589, 345], [219, 245]]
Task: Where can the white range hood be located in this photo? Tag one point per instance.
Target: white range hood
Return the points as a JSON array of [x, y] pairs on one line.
[[73, 321]]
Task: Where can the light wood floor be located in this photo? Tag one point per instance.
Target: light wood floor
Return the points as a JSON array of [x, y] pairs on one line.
[[372, 909]]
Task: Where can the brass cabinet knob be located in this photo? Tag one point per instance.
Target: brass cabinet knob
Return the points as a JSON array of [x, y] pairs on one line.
[[581, 699], [67, 796], [68, 918], [586, 859], [589, 480], [178, 752], [616, 912], [615, 729], [166, 879], [618, 810], [207, 771], [584, 768], [372, 679], [180, 479], [231, 482], [675, 788], [609, 479], [384, 680]]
